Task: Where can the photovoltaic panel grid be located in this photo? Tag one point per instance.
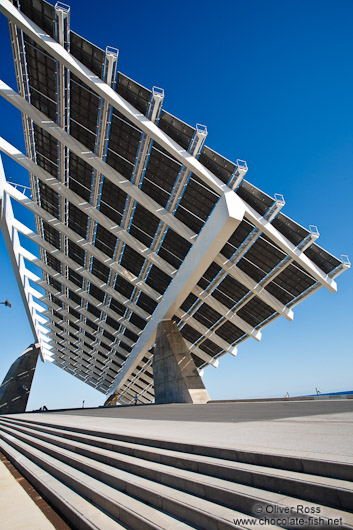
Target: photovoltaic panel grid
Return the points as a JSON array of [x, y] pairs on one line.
[[108, 251]]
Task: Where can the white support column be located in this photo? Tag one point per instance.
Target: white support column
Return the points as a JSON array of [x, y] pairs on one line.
[[224, 219]]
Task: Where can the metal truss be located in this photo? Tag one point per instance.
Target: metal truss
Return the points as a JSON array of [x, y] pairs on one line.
[[98, 358]]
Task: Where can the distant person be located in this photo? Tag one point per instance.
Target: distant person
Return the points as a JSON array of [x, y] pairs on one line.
[[135, 399]]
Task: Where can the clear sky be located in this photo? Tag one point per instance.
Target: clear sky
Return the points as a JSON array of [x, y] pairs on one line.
[[273, 82]]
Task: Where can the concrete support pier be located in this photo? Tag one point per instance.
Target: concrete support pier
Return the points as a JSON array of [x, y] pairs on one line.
[[176, 379], [16, 386]]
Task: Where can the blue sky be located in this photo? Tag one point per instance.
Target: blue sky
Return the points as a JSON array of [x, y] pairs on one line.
[[273, 82]]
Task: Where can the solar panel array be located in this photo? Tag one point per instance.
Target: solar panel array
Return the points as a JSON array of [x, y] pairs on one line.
[[101, 296]]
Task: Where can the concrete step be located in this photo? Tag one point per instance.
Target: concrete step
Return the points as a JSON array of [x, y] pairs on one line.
[[304, 464], [194, 511], [102, 463], [77, 510], [325, 491], [128, 511]]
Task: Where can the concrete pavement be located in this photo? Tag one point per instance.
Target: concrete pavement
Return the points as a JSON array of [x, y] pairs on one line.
[[320, 428], [18, 511]]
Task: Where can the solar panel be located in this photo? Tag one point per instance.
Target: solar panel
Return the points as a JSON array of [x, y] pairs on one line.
[[112, 254]]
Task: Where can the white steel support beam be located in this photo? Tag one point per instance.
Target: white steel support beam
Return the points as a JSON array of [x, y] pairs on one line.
[[253, 286], [135, 390], [109, 77], [124, 236], [88, 297], [104, 119], [106, 92], [82, 325], [153, 114], [62, 74], [130, 390], [135, 376], [96, 303], [238, 254], [201, 328], [227, 313], [195, 148], [63, 340], [220, 260], [145, 372], [345, 265], [77, 364], [80, 270], [93, 160], [81, 204], [78, 240], [79, 348], [238, 175], [224, 219], [11, 242], [85, 312], [85, 327], [290, 249], [202, 354], [141, 397], [19, 54], [302, 246]]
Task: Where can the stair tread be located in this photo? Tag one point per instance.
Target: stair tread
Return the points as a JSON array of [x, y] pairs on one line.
[[161, 490], [94, 517], [155, 443], [256, 494], [154, 459], [151, 514], [187, 457]]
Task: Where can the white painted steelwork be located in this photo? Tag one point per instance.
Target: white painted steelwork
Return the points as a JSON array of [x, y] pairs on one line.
[[89, 337]]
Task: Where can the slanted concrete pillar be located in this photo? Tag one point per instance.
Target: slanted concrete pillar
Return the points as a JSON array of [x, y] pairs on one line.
[[175, 376], [16, 386]]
